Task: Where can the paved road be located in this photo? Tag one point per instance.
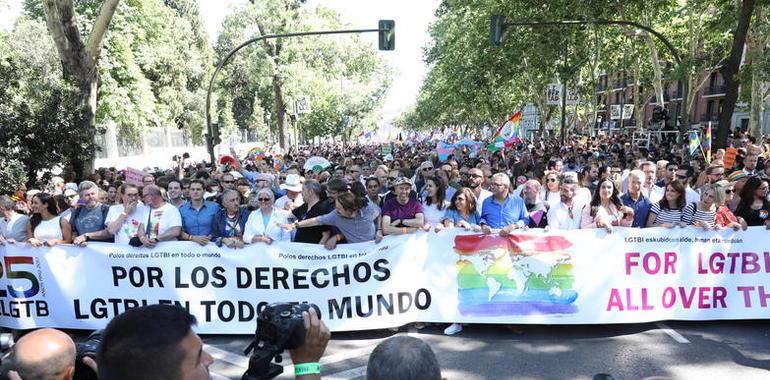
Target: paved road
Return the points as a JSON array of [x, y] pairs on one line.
[[681, 350]]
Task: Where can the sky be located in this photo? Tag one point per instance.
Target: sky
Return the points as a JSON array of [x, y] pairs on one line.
[[412, 19]]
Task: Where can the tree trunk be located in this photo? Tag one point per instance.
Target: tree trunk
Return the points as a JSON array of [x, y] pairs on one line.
[[756, 41], [730, 70], [280, 108], [658, 82], [757, 95], [79, 60]]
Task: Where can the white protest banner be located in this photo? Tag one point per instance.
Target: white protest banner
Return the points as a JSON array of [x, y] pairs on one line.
[[575, 277], [134, 176]]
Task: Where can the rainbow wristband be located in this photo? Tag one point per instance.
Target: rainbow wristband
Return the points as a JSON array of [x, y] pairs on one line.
[[307, 369]]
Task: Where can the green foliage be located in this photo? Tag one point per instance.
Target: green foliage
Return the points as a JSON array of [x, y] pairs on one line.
[[153, 67], [38, 127], [12, 174], [470, 82], [342, 75]]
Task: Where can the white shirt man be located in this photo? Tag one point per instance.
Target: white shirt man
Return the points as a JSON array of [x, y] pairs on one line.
[[649, 189], [566, 214], [123, 220]]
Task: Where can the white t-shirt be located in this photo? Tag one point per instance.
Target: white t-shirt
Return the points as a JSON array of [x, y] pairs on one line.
[[284, 200], [130, 226], [432, 214], [161, 219]]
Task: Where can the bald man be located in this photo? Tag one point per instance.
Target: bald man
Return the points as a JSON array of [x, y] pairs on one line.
[[44, 354]]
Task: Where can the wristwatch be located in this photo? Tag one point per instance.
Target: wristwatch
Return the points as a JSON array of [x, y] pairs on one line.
[[296, 225]]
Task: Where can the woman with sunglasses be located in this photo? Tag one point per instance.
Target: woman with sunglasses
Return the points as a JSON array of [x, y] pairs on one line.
[[263, 224], [550, 193], [725, 218], [668, 212], [754, 206], [45, 227], [462, 211], [605, 209], [703, 213]]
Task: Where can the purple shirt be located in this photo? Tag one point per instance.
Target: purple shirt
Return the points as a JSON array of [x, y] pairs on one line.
[[397, 211]]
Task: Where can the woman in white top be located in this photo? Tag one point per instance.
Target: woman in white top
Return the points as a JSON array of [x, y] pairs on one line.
[[263, 225], [435, 203], [45, 226], [550, 192]]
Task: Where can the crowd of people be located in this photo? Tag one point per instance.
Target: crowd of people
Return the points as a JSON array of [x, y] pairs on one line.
[[366, 193], [363, 195]]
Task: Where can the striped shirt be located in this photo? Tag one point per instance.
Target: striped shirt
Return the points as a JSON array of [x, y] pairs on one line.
[[666, 216], [693, 215]]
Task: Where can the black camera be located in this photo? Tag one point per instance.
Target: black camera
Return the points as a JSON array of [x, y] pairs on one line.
[[89, 348], [279, 327]]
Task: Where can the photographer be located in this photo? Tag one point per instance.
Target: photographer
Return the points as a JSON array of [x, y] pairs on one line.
[[157, 342]]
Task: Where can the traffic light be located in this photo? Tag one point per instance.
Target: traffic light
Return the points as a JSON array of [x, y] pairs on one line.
[[497, 30], [388, 35]]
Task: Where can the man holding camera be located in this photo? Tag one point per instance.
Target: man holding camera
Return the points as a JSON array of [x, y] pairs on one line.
[[157, 342]]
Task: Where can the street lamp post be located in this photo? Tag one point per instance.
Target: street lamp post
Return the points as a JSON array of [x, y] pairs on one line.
[[386, 42]]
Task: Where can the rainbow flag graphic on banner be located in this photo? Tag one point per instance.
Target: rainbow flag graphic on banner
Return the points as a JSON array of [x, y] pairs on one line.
[[514, 275], [256, 153], [694, 142]]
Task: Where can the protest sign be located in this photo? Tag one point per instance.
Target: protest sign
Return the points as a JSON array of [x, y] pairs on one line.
[[574, 277]]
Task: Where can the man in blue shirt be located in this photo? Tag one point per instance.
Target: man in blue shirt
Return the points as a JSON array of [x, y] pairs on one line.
[[503, 210], [197, 215], [635, 199]]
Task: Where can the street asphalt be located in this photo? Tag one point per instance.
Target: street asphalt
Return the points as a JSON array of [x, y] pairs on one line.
[[678, 350]]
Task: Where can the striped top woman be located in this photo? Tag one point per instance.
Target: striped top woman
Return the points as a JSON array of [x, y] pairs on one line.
[[702, 214], [669, 210]]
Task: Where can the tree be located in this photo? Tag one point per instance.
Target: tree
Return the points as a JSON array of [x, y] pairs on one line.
[[37, 110], [341, 75], [79, 58], [758, 65], [730, 70]]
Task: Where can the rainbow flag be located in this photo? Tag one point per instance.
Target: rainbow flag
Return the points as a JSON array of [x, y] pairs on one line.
[[708, 143], [694, 142], [256, 153], [510, 131]]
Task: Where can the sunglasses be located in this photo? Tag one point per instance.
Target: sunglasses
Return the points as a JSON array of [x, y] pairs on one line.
[[228, 181], [392, 178], [264, 199], [552, 180], [426, 169], [728, 191]]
